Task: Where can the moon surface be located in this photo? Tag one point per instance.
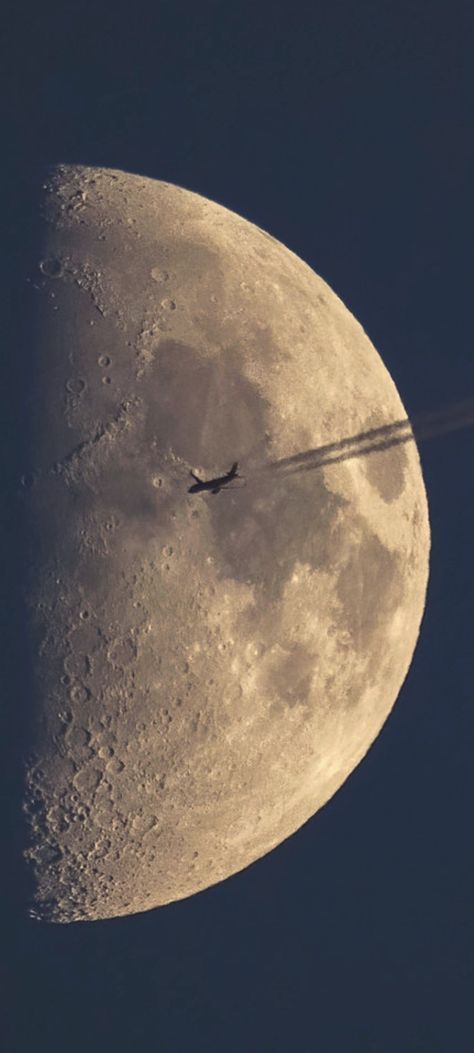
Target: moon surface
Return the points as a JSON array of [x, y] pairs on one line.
[[207, 669]]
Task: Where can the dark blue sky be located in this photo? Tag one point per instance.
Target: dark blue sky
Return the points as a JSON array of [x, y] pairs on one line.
[[345, 129]]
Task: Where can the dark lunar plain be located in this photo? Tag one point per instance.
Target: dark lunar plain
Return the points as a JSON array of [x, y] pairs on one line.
[[344, 130]]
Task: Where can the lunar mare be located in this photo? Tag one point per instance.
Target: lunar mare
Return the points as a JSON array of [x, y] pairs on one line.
[[207, 670]]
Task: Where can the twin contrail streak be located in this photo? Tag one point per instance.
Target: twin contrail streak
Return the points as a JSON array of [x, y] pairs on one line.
[[423, 426]]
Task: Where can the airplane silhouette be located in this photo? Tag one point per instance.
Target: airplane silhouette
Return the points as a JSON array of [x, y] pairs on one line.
[[214, 485]]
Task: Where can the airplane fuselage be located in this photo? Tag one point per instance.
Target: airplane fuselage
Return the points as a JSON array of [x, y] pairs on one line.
[[214, 485]]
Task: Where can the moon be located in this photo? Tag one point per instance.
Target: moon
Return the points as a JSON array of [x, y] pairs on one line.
[[208, 669]]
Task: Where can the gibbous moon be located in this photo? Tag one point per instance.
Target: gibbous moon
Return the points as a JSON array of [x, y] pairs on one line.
[[208, 668]]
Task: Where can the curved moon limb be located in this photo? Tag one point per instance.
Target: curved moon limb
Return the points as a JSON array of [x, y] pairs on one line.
[[208, 667]]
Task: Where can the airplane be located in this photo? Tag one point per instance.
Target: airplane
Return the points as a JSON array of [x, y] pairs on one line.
[[214, 485]]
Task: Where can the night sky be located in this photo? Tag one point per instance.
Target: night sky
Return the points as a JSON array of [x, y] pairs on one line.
[[344, 129]]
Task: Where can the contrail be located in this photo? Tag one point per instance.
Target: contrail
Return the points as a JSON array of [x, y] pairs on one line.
[[422, 426]]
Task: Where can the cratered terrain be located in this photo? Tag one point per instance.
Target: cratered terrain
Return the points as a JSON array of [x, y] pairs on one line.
[[207, 669]]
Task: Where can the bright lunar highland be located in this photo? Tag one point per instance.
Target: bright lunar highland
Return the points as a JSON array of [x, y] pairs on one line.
[[207, 669]]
